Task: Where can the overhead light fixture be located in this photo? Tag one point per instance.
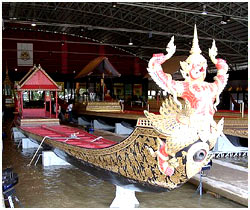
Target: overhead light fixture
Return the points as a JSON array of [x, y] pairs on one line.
[[225, 19], [204, 12], [130, 42], [228, 18], [114, 4], [15, 69], [33, 24]]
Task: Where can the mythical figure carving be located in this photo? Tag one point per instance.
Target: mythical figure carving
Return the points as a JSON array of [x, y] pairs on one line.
[[192, 120]]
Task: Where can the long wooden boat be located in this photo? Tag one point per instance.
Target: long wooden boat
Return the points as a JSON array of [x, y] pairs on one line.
[[134, 163], [162, 153], [129, 164]]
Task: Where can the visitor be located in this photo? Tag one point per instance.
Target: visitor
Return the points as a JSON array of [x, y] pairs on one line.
[[69, 110], [59, 111]]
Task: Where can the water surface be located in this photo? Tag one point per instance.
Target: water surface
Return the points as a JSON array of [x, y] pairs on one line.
[[69, 187]]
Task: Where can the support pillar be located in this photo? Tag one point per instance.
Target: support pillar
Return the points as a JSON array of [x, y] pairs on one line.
[[17, 135], [27, 144], [124, 198], [49, 158]]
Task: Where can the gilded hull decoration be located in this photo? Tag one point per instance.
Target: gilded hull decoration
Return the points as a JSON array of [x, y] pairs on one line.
[[98, 106], [103, 106], [131, 159]]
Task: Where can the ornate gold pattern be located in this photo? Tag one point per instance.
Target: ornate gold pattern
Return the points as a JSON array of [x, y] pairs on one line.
[[25, 55], [130, 158], [236, 127], [103, 106]]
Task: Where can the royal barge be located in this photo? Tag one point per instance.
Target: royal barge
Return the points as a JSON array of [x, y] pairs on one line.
[[162, 153], [131, 163]]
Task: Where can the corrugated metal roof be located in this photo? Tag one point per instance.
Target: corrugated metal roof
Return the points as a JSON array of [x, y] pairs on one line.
[[149, 25]]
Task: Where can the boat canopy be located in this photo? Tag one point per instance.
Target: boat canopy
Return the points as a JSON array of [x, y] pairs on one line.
[[37, 79], [99, 67]]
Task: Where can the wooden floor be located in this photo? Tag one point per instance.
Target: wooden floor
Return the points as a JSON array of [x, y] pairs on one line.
[[227, 180]]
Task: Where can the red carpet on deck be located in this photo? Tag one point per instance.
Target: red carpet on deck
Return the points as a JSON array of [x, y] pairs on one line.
[[70, 135]]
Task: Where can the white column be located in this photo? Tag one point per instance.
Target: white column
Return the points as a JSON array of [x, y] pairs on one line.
[[124, 198]]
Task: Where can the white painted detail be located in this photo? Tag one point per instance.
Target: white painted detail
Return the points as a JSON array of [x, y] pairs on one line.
[[27, 143], [123, 129], [49, 158], [98, 124], [124, 198]]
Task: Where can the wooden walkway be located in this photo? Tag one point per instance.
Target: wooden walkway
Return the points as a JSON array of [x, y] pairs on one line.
[[227, 180]]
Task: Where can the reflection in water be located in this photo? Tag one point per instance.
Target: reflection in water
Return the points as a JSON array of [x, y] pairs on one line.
[[68, 186]]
